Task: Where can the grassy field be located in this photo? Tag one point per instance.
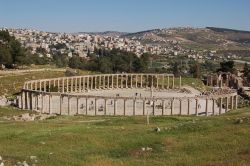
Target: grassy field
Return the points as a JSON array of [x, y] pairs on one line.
[[11, 84], [79, 140]]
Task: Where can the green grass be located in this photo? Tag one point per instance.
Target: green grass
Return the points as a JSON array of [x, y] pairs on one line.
[[10, 111], [194, 82], [11, 84], [203, 141]]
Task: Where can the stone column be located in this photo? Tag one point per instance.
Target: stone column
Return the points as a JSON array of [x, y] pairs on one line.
[[117, 81], [163, 107], [115, 106], [103, 82], [226, 104], [108, 82], [126, 81], [77, 104], [76, 84], [83, 83], [188, 100], [236, 102], [36, 102], [100, 82], [69, 105], [232, 102], [96, 87], [153, 107], [49, 104], [208, 80], [31, 85], [206, 107], [112, 81], [61, 101], [58, 85], [86, 105], [213, 107], [134, 106], [220, 106], [31, 101], [63, 88], [67, 85], [105, 107], [124, 107], [96, 106], [80, 84], [42, 105], [144, 107], [71, 85], [23, 99], [91, 82], [49, 86], [87, 88], [121, 81], [180, 107], [196, 107], [36, 86], [172, 106], [44, 85], [26, 100]]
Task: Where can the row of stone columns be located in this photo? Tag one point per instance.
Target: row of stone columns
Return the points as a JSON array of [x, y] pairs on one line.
[[32, 100], [219, 81], [80, 84]]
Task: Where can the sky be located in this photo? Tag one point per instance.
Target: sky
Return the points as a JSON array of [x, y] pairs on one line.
[[123, 15]]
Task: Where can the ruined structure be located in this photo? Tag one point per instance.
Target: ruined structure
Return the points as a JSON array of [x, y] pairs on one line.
[[89, 95]]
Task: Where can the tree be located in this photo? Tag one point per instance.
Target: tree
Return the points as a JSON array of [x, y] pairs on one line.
[[195, 70], [175, 69], [246, 70], [227, 66], [76, 63], [105, 65], [5, 57]]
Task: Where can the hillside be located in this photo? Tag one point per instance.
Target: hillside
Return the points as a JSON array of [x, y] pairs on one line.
[[202, 37]]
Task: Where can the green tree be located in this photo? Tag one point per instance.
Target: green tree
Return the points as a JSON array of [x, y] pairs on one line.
[[175, 69], [105, 65], [5, 57], [195, 70], [76, 62], [227, 66], [246, 70]]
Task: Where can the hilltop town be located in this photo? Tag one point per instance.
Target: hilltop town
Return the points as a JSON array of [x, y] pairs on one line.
[[193, 43]]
